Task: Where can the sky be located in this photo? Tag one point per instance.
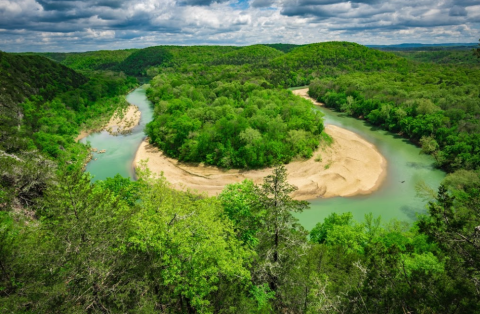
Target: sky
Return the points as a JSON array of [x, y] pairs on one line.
[[70, 25]]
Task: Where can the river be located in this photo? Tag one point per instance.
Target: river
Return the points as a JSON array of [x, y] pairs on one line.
[[396, 198], [121, 149]]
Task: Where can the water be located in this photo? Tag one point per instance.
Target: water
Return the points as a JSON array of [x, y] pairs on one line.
[[394, 199], [121, 149]]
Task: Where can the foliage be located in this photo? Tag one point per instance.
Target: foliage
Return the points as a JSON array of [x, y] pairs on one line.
[[283, 47], [231, 124], [52, 125], [437, 106], [136, 63], [303, 64], [93, 251], [256, 54], [90, 60], [441, 57], [454, 223], [476, 52], [68, 245], [24, 76]]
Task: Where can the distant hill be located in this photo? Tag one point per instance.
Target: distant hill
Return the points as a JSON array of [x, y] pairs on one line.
[[447, 53], [248, 55], [283, 47], [416, 46], [88, 61], [304, 63], [145, 61], [137, 63]]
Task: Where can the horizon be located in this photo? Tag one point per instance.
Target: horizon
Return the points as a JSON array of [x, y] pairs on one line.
[[473, 45], [92, 25]]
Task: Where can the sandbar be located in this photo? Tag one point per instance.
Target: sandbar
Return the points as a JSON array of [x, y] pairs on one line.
[[348, 166], [121, 122]]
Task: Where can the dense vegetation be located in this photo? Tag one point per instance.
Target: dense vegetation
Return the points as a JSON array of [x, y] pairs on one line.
[[231, 124], [41, 116], [436, 106], [137, 62], [256, 54], [213, 111], [68, 245], [91, 60], [441, 56], [24, 76], [283, 47]]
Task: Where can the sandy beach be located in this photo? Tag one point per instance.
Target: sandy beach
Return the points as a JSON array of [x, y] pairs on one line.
[[122, 122], [349, 166]]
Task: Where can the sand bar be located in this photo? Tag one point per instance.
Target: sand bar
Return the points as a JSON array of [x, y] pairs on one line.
[[122, 122], [349, 166]]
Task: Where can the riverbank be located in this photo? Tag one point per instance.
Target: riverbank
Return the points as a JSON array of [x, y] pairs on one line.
[[122, 122], [304, 93], [349, 166]]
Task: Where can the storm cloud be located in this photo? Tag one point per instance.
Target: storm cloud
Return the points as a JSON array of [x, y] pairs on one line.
[[71, 25]]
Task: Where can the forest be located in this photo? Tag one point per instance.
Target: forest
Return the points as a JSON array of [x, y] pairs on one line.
[[70, 245]]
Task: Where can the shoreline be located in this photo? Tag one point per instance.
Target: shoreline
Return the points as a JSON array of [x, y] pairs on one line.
[[121, 122], [84, 133], [337, 174], [349, 166], [303, 92]]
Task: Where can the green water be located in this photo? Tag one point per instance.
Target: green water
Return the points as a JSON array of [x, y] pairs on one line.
[[121, 149], [394, 199]]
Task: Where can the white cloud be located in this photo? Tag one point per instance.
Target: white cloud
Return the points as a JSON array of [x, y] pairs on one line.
[[107, 24]]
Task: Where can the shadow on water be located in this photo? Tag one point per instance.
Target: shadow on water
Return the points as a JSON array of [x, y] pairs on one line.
[[412, 212], [420, 165]]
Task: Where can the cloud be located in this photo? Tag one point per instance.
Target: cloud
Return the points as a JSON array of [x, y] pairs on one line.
[[199, 2], [458, 11], [71, 25], [262, 3]]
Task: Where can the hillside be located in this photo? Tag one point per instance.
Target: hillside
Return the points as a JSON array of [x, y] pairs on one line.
[[304, 63], [24, 76], [283, 47], [138, 62], [150, 61], [88, 61], [256, 54], [43, 103]]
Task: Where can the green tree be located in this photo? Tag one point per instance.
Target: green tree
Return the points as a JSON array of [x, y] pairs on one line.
[[282, 241]]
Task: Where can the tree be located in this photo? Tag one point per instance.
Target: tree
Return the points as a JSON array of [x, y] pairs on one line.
[[282, 241], [186, 248], [454, 223]]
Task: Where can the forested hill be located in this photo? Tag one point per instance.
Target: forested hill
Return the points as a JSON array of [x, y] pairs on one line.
[[90, 60], [283, 47], [248, 55], [43, 104], [23, 76], [303, 64]]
